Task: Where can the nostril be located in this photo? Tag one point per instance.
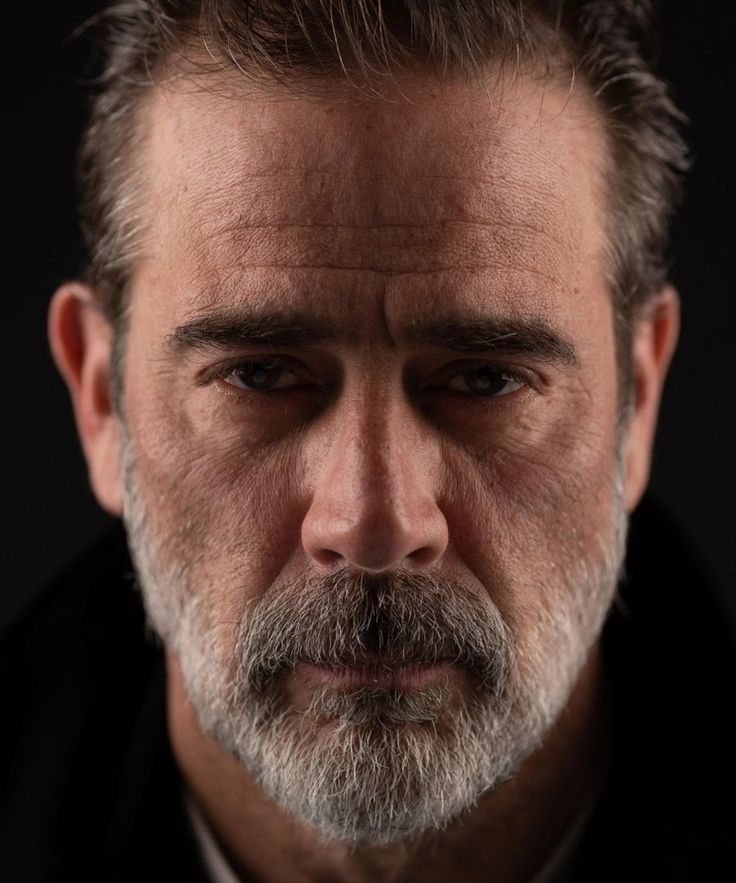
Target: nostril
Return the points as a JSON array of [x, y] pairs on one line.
[[325, 557], [421, 557]]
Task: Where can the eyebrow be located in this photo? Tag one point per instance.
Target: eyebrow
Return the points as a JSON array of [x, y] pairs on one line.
[[279, 328]]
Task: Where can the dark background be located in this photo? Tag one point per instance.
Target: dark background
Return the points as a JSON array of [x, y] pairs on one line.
[[51, 512]]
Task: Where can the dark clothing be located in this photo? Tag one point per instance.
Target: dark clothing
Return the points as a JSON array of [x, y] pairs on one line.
[[90, 790]]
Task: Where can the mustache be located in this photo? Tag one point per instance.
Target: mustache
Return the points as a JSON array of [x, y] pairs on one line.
[[391, 619]]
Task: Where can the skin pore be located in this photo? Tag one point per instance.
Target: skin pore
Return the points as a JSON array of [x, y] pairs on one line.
[[375, 451]]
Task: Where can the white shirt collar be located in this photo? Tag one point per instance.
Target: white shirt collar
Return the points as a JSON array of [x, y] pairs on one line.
[[217, 866]]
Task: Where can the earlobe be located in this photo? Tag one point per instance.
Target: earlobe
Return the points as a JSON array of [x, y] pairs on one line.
[[654, 338], [81, 341]]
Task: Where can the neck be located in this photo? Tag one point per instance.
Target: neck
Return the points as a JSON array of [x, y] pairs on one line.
[[509, 834]]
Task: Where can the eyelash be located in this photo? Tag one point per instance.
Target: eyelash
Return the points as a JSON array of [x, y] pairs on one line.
[[282, 363]]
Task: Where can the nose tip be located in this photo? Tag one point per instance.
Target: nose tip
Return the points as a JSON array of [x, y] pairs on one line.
[[375, 541]]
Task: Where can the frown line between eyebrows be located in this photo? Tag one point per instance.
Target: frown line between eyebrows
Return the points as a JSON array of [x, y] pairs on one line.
[[218, 331]]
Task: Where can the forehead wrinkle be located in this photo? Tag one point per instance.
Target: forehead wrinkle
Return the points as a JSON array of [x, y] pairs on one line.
[[307, 197], [294, 265], [353, 200], [391, 252], [481, 233], [246, 224], [255, 153], [220, 213], [513, 199]]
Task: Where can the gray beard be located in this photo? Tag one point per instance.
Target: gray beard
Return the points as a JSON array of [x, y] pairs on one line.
[[375, 766]]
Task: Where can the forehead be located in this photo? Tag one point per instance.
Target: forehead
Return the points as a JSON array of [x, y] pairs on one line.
[[437, 187]]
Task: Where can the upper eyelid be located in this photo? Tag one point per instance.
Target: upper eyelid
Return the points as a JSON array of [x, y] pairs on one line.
[[461, 365], [237, 361], [215, 372]]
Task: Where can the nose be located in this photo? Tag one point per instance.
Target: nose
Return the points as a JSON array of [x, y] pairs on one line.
[[373, 505]]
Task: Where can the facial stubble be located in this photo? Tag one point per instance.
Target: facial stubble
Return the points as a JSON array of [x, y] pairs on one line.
[[370, 765]]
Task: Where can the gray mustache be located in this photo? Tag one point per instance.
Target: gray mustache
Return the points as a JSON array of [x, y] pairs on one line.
[[392, 619]]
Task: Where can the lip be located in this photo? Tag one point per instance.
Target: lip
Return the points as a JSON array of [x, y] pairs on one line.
[[378, 675]]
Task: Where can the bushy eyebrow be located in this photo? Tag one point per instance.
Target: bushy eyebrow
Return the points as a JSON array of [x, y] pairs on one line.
[[253, 327], [534, 338]]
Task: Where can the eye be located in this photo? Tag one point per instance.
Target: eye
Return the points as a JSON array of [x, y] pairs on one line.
[[492, 381], [261, 375], [278, 373]]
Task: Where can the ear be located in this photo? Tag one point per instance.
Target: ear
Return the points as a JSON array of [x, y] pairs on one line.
[[81, 343], [654, 338]]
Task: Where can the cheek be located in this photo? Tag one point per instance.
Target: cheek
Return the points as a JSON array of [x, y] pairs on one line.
[[532, 503], [219, 505]]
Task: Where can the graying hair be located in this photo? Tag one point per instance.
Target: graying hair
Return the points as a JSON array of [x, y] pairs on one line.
[[294, 42]]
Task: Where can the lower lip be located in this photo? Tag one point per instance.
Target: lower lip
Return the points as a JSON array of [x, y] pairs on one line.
[[400, 677]]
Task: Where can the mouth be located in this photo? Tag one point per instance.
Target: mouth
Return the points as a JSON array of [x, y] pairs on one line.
[[381, 675]]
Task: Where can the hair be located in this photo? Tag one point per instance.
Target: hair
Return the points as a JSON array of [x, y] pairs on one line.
[[607, 43]]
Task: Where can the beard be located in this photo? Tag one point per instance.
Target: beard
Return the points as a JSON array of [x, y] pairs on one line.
[[363, 765]]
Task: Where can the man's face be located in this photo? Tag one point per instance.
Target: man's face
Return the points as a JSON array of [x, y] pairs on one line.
[[431, 474]]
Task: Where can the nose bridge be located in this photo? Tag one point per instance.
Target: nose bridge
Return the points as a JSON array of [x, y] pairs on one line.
[[375, 444], [374, 503]]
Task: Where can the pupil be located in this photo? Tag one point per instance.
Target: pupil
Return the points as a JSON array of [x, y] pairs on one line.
[[259, 375]]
